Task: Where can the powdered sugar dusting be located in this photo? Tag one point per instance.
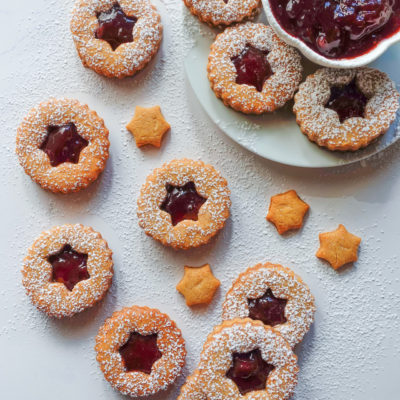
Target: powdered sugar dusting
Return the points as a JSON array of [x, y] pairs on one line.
[[254, 282]]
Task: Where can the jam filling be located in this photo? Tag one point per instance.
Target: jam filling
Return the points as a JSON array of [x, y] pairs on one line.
[[63, 144], [252, 67], [140, 352], [348, 101], [268, 309], [249, 371], [69, 267], [115, 27], [182, 202], [339, 28]]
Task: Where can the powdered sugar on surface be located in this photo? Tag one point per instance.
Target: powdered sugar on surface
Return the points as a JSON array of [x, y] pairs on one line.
[[351, 350]]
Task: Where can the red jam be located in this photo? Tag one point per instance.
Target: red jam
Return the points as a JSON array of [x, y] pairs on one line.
[[69, 267], [115, 27], [63, 144], [140, 352], [348, 101], [182, 202], [268, 309], [252, 67], [249, 371], [339, 28]]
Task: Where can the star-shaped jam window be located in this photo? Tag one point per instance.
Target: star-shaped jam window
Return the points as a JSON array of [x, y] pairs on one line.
[[338, 247], [268, 309], [148, 126], [140, 352], [69, 267], [63, 144], [115, 27], [287, 211], [182, 202], [249, 371], [198, 285]]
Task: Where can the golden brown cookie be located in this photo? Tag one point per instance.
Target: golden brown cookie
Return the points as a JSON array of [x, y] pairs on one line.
[[67, 270], [274, 295], [346, 109], [252, 70], [198, 285], [148, 126], [287, 211], [62, 145], [140, 351], [116, 38], [338, 247], [243, 357], [191, 389], [223, 12], [184, 203]]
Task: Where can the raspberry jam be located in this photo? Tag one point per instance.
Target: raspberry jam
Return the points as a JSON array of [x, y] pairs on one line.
[[69, 267], [252, 67], [182, 202], [115, 27], [63, 144], [140, 352], [339, 28], [249, 371], [348, 101], [268, 309]]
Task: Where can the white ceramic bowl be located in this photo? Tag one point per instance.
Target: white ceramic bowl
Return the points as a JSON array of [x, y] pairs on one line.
[[317, 58]]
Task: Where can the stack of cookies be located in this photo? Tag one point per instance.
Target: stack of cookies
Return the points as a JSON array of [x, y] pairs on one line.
[[266, 312]]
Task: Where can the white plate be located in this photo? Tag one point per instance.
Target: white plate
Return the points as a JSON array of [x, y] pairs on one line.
[[276, 136]]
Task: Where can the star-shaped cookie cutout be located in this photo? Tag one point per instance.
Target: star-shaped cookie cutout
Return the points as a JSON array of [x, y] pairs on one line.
[[339, 247], [148, 126], [198, 285], [287, 211]]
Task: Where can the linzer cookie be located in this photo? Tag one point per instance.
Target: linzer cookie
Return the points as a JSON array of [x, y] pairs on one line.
[[116, 39], [62, 145], [140, 351], [243, 357], [223, 12], [274, 295], [67, 270], [184, 203], [346, 109], [252, 70]]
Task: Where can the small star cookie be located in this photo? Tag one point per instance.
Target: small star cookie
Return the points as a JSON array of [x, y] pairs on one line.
[[148, 126], [286, 211], [198, 285], [339, 247]]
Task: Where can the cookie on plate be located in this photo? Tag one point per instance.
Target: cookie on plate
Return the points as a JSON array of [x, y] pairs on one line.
[[223, 12], [252, 70], [346, 109]]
